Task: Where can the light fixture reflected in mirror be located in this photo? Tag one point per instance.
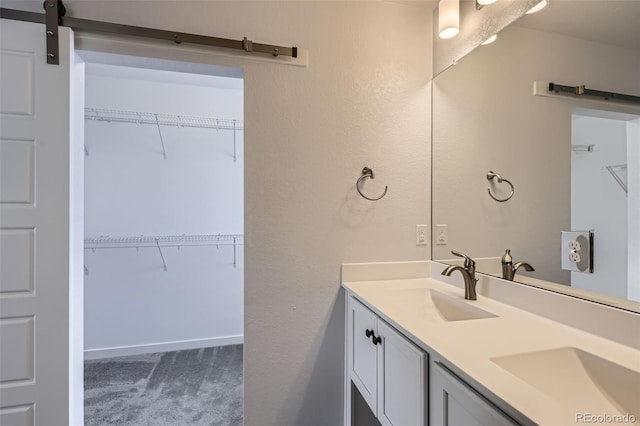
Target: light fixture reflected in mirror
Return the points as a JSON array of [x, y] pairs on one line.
[[537, 8], [490, 40], [482, 3], [448, 18]]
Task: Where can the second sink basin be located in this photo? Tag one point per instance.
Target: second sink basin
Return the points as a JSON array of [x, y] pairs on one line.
[[453, 309], [582, 380]]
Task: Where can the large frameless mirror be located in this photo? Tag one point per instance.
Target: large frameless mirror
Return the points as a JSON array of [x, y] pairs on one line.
[[571, 161]]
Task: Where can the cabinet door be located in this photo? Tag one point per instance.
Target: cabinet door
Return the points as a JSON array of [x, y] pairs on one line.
[[401, 380], [454, 403], [364, 359]]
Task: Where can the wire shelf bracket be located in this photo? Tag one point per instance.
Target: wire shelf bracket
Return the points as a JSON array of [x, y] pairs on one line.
[[619, 174], [164, 151], [234, 143]]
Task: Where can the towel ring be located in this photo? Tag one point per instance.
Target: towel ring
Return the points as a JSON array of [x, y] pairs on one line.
[[368, 173], [490, 176]]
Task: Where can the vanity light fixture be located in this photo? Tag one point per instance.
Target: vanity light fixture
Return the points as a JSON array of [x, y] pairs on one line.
[[490, 40], [538, 7], [448, 18]]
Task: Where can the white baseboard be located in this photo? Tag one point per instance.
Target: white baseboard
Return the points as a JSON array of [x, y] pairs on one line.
[[90, 354]]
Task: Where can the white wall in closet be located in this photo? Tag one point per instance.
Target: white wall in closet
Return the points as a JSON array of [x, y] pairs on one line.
[[131, 304]]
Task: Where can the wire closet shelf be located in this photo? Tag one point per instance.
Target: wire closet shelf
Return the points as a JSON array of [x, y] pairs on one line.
[[135, 117], [160, 241], [103, 242]]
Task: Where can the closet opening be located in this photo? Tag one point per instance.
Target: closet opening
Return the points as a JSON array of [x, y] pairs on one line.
[[605, 166], [164, 242]]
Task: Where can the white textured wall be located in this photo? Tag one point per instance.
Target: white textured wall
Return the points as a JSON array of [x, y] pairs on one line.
[[131, 190], [486, 118], [599, 203], [363, 100]]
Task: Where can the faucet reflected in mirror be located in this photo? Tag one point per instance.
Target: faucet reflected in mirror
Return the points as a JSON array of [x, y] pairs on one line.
[[468, 272], [509, 269]]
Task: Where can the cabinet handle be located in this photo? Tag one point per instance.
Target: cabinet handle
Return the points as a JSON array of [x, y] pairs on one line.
[[374, 339]]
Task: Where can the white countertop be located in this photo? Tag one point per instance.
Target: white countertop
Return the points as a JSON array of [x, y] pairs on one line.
[[469, 346]]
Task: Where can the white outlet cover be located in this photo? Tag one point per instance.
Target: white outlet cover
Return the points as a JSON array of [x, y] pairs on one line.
[[422, 235], [441, 235], [575, 248]]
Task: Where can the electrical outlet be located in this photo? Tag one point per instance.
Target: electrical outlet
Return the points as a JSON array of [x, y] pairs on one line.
[[577, 251], [441, 235], [422, 235]]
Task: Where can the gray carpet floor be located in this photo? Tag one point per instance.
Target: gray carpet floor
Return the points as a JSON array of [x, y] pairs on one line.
[[191, 387]]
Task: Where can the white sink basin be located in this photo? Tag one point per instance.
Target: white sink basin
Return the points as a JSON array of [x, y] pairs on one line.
[[451, 308], [581, 380]]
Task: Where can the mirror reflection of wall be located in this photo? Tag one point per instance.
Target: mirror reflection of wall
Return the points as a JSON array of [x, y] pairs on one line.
[[485, 117]]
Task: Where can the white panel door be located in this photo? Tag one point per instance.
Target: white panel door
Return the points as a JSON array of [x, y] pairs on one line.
[[34, 227]]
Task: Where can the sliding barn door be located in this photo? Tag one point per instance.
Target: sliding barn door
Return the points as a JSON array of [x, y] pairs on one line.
[[35, 133]]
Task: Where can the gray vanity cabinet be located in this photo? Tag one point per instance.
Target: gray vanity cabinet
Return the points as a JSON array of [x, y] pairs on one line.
[[388, 370], [454, 403], [399, 384]]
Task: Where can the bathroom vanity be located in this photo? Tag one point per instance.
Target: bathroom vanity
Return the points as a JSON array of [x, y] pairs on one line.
[[418, 353]]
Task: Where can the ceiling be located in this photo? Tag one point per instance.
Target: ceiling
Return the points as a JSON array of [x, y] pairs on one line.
[[615, 22]]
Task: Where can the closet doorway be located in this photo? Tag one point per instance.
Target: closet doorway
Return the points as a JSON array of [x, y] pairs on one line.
[[164, 243]]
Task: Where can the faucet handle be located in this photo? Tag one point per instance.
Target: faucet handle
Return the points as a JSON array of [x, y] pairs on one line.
[[468, 262]]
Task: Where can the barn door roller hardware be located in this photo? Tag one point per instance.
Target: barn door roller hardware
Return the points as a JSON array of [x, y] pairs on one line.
[[583, 91], [55, 12]]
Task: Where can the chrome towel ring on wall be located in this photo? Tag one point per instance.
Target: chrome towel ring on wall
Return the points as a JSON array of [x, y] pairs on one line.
[[368, 173], [490, 176]]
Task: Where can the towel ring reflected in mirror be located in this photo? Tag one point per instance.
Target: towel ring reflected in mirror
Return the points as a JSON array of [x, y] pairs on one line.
[[368, 173], [490, 176]]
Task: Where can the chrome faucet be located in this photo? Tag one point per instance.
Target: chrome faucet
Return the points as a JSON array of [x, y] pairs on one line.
[[468, 273], [509, 269]]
